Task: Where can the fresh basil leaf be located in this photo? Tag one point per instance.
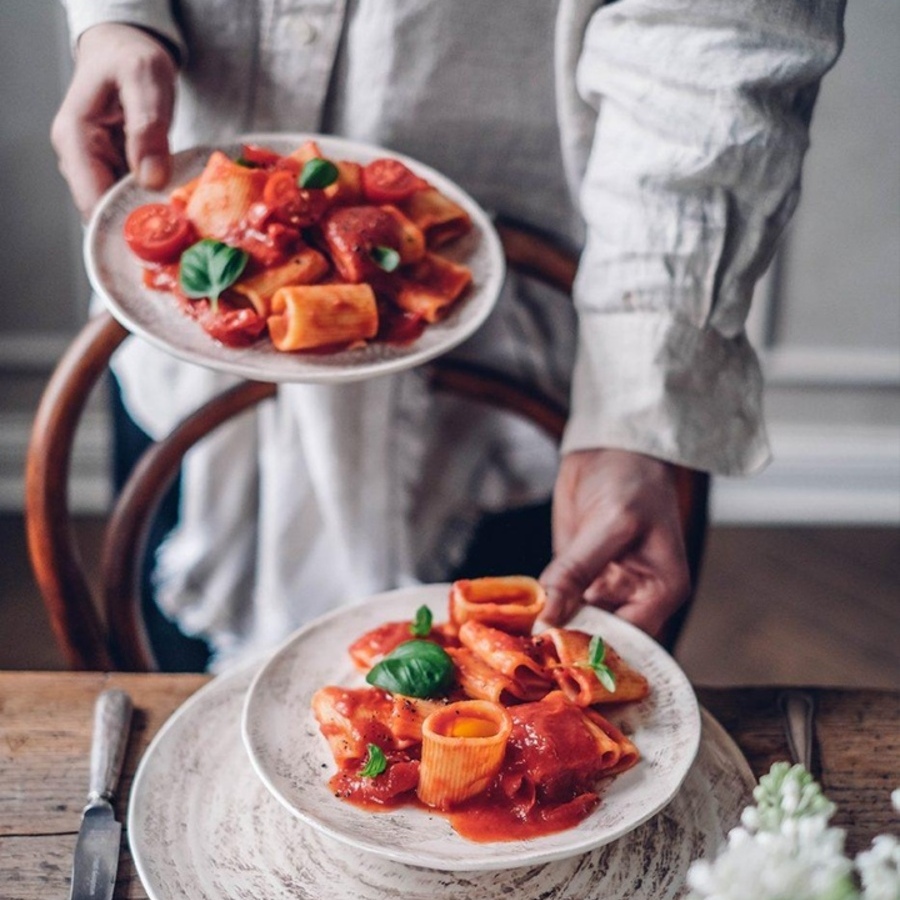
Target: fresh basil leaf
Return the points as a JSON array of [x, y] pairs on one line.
[[376, 762], [595, 657], [421, 624], [386, 258], [208, 268], [318, 173], [414, 669], [596, 651], [605, 676]]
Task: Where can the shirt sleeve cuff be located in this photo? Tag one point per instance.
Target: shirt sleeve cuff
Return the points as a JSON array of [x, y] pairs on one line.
[[154, 16], [649, 383]]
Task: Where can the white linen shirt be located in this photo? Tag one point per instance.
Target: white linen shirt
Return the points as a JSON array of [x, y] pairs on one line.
[[665, 137]]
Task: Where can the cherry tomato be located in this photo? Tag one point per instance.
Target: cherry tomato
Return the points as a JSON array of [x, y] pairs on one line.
[[233, 327], [388, 181], [157, 232], [289, 203], [259, 156]]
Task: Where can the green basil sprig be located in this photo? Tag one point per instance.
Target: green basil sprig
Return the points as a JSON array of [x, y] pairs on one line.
[[421, 624], [414, 669], [386, 258], [318, 173], [596, 655], [208, 267], [376, 762]]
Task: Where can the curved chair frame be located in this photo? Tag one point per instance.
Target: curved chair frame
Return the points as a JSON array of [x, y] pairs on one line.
[[116, 640]]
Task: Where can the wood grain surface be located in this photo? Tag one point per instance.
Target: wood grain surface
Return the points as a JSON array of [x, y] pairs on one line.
[[45, 735]]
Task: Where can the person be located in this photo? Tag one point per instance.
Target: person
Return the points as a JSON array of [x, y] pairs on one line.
[[665, 139]]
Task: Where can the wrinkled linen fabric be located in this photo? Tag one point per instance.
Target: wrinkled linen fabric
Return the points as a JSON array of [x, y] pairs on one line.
[[665, 138]]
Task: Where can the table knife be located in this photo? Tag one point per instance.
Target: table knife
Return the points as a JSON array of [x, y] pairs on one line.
[[97, 849]]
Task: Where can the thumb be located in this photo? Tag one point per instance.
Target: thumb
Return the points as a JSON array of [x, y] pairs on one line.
[[574, 569], [148, 99]]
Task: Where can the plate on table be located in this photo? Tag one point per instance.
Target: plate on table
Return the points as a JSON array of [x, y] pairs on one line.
[[202, 825], [293, 760], [116, 275]]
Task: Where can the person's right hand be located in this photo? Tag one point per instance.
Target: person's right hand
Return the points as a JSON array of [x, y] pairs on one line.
[[116, 114]]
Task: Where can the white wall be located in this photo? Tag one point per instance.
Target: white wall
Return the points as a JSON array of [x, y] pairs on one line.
[[827, 318]]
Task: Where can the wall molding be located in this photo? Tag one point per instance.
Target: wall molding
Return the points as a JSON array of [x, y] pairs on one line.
[[822, 475], [830, 367], [819, 475], [90, 485]]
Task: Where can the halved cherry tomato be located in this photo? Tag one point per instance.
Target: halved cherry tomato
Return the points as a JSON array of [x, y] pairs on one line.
[[259, 156], [158, 232], [289, 203], [388, 181]]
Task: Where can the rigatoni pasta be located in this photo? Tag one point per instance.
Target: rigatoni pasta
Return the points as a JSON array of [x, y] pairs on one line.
[[281, 221], [480, 718]]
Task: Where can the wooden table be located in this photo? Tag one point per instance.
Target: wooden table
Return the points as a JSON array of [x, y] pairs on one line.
[[45, 733]]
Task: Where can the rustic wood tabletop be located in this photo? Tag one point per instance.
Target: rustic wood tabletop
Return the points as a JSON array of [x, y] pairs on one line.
[[45, 735]]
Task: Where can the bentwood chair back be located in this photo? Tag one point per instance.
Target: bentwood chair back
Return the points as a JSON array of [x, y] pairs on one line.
[[105, 631]]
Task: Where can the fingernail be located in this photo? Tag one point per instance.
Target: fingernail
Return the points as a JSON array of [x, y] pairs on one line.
[[153, 171]]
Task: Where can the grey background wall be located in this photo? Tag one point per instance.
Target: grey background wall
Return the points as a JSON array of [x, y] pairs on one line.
[[826, 319]]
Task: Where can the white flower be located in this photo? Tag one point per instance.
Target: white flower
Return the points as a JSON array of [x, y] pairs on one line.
[[879, 869], [786, 850], [801, 861]]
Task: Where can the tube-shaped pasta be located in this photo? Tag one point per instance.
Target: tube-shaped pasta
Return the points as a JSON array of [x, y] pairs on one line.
[[566, 654], [463, 746], [305, 267], [438, 216], [512, 602], [319, 315], [431, 286], [511, 654], [223, 196], [481, 682], [628, 752]]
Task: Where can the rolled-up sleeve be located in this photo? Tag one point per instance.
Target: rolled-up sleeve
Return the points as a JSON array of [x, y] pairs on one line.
[[151, 15], [703, 112]]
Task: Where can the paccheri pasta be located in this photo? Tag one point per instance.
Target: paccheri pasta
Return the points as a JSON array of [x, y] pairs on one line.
[[479, 718], [320, 254]]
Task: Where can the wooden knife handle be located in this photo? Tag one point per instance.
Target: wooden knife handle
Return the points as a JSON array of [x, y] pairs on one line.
[[112, 722]]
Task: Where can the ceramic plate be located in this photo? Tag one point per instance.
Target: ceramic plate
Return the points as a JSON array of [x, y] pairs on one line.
[[115, 275], [201, 825], [294, 761]]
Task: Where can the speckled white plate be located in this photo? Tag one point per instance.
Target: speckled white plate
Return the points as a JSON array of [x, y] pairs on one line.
[[201, 825], [293, 759], [115, 275]]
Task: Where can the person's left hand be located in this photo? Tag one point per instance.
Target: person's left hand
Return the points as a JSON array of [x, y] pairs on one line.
[[617, 539]]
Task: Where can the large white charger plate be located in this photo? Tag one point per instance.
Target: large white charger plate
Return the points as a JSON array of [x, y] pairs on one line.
[[201, 825], [115, 274], [293, 760]]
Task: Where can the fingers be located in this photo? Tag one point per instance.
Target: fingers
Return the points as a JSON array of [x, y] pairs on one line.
[[116, 114], [88, 157], [147, 98], [575, 568]]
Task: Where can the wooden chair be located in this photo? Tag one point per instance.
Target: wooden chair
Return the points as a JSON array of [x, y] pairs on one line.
[[116, 640]]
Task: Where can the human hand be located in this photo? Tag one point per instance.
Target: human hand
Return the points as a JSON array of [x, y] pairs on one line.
[[617, 539], [116, 114]]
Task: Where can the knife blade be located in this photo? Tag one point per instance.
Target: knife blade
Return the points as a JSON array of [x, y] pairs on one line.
[[97, 848]]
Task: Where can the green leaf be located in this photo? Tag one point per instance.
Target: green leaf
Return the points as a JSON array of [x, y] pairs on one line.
[[414, 669], [596, 651], [421, 625], [386, 258], [246, 163], [605, 676], [208, 268], [376, 762], [595, 657], [318, 173]]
